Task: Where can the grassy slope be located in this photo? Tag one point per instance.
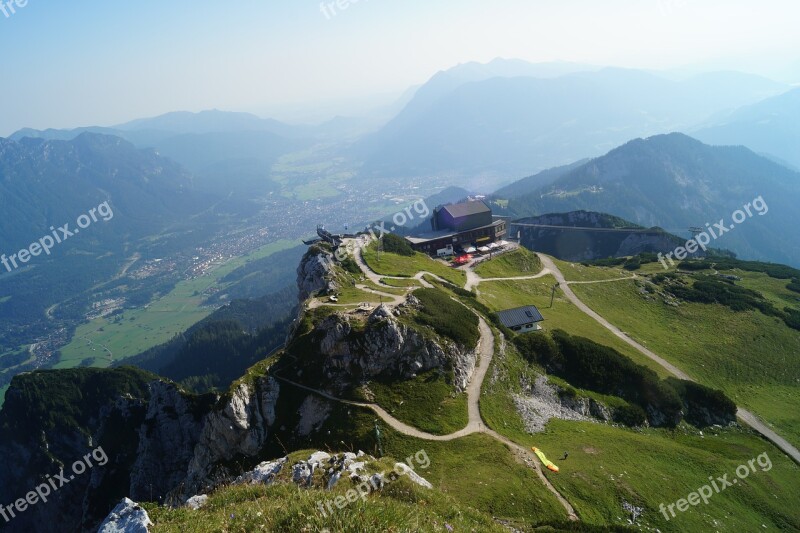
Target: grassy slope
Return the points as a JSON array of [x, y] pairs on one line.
[[401, 505], [474, 478], [477, 471], [482, 472], [520, 262], [578, 272], [395, 291], [396, 265], [426, 402], [773, 289], [608, 465], [564, 315], [347, 293], [141, 328], [401, 283], [750, 356]]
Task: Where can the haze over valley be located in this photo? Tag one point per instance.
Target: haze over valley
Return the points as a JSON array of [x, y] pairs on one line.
[[400, 267]]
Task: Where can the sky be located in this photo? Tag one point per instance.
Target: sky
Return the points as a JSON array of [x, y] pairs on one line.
[[92, 62]]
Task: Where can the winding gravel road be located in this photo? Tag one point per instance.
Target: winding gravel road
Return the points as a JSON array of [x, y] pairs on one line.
[[746, 416], [475, 422], [485, 353]]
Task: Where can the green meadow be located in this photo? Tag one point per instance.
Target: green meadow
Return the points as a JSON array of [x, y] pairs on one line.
[[498, 295], [520, 262], [609, 465], [388, 264], [752, 357]]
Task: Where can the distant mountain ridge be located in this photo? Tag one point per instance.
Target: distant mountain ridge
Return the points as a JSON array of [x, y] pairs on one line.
[[205, 141], [770, 127], [499, 125], [675, 182], [45, 182], [175, 123]]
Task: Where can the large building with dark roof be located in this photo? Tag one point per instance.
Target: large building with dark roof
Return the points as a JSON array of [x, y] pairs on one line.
[[461, 217], [460, 226]]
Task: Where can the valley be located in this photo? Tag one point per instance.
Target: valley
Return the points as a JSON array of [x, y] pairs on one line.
[[512, 267], [159, 287]]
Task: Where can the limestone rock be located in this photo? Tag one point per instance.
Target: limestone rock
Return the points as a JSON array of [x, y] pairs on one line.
[[197, 502], [314, 273], [264, 473], [240, 428], [127, 517], [386, 348]]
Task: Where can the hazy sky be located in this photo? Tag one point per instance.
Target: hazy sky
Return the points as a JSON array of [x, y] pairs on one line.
[[82, 62]]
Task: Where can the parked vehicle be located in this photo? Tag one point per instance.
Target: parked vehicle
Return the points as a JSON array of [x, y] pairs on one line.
[[447, 251]]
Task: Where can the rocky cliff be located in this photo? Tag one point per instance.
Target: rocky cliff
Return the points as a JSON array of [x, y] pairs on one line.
[[386, 347], [241, 428], [315, 272], [166, 445], [584, 236]]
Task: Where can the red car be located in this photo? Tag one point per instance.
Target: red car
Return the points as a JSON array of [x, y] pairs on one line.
[[462, 259]]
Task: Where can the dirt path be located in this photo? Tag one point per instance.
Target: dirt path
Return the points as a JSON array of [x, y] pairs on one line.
[[757, 424], [473, 279], [564, 285], [476, 280], [475, 422], [746, 416], [391, 300]]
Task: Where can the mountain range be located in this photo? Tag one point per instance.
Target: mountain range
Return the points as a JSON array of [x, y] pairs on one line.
[[676, 182], [212, 423], [770, 127], [64, 179], [506, 125], [484, 123]]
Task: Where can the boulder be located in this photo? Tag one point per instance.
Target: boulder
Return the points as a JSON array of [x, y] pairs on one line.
[[127, 517]]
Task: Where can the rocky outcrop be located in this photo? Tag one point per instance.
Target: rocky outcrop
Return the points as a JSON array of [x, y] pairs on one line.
[[167, 440], [313, 412], [322, 469], [544, 401], [314, 274], [263, 474], [196, 503], [385, 347], [239, 429], [127, 517], [584, 245]]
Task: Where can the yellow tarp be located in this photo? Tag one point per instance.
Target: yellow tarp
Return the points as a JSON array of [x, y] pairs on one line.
[[545, 461]]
